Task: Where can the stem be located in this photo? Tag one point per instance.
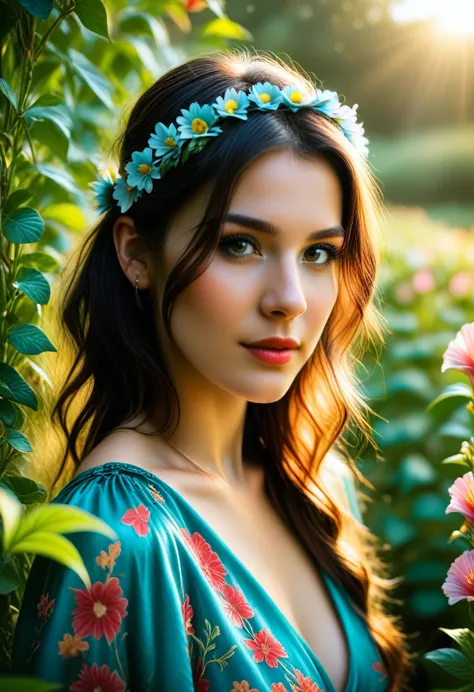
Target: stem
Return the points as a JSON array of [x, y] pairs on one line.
[[68, 9]]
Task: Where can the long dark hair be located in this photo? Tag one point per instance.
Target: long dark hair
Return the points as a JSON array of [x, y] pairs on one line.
[[117, 370]]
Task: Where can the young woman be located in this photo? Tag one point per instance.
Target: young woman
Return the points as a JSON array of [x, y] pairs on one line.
[[244, 211]]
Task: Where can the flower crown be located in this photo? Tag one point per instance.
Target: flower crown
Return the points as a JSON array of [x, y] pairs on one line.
[[170, 145]]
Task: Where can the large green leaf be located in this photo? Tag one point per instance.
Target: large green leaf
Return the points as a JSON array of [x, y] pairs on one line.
[[8, 413], [11, 511], [56, 114], [47, 100], [8, 579], [6, 89], [26, 489], [92, 77], [18, 440], [226, 28], [93, 15], [38, 8], [60, 176], [61, 519], [453, 662], [464, 638], [55, 547], [39, 260], [456, 390], [33, 284], [16, 199], [21, 391], [23, 225], [29, 339], [68, 215]]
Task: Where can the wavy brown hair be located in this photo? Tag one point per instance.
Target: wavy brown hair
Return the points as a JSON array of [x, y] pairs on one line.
[[118, 371]]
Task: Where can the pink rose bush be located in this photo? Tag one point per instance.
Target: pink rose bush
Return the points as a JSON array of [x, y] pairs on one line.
[[459, 583]]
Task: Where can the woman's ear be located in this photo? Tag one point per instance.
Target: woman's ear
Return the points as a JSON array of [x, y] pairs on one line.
[[130, 251]]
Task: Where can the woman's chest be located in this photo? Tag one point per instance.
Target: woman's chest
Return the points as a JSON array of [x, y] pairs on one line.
[[274, 558]]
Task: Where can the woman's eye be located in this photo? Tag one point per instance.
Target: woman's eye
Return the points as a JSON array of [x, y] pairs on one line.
[[320, 255]]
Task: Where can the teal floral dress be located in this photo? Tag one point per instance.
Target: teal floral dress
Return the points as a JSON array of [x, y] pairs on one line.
[[170, 607]]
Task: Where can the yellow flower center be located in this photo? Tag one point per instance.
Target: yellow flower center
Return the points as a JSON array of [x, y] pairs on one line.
[[169, 141], [144, 168], [470, 497], [265, 98], [199, 127], [99, 609], [231, 106], [296, 96]]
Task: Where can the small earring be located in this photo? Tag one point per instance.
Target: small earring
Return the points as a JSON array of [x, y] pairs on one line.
[[139, 302]]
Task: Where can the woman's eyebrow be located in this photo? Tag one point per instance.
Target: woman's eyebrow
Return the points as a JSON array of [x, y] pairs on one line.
[[268, 227]]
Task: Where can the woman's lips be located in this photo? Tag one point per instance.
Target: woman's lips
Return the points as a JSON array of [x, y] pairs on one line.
[[272, 356]]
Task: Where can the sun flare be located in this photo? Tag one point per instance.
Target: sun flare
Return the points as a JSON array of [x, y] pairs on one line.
[[450, 16]]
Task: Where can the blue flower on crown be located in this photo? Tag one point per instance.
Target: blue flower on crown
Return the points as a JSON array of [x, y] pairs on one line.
[[296, 98], [125, 194], [141, 170], [165, 141], [234, 103], [267, 96], [327, 102], [103, 188], [198, 121]]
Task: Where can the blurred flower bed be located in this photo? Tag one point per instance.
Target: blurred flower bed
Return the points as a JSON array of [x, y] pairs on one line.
[[427, 291]]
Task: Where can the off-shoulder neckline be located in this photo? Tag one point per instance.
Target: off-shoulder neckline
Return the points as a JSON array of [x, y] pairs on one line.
[[114, 466]]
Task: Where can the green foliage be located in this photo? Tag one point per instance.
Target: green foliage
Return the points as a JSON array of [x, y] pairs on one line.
[[420, 416], [66, 71]]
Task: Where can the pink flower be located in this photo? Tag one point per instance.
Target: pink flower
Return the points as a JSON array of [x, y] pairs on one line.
[[423, 281], [462, 497], [460, 352], [459, 582], [266, 648], [236, 605], [138, 518]]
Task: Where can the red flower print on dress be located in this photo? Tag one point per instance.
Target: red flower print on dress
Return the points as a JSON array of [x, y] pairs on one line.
[[94, 678], [138, 518], [236, 605], [45, 607], [100, 610], [305, 684], [242, 687], [278, 687], [71, 645], [188, 613], [208, 560], [266, 648]]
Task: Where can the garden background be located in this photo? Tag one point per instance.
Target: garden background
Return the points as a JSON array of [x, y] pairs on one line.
[[70, 74]]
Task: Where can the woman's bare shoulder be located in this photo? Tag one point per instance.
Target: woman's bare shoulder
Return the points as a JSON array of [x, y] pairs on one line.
[[127, 446]]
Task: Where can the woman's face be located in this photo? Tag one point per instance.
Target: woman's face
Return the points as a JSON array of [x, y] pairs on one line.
[[261, 286]]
